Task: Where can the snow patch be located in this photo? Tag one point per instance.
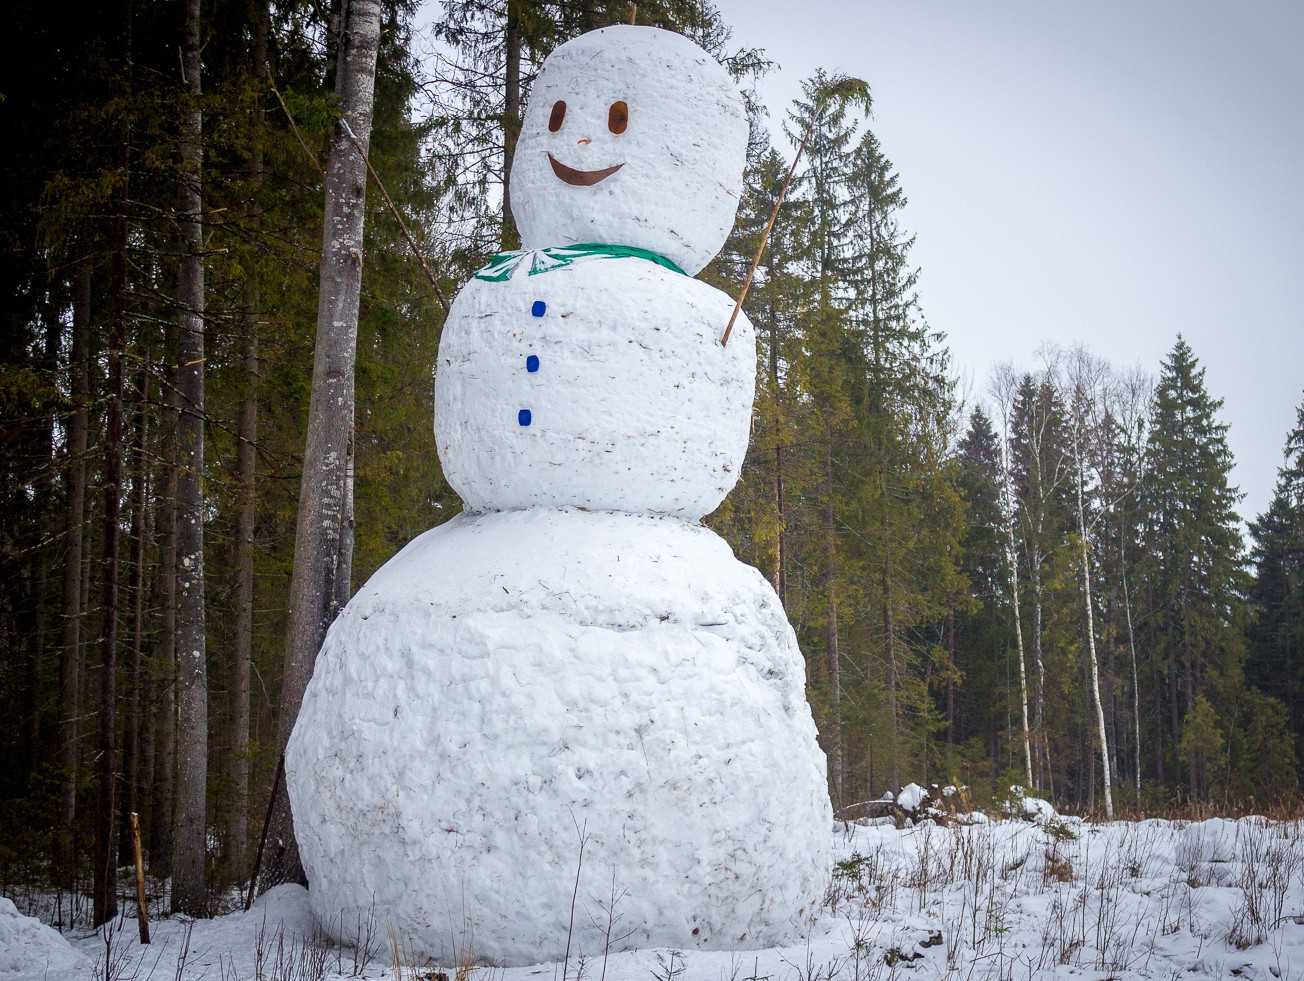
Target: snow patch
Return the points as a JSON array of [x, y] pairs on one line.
[[30, 950]]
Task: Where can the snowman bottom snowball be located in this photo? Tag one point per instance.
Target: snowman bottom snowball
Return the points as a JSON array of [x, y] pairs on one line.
[[522, 698]]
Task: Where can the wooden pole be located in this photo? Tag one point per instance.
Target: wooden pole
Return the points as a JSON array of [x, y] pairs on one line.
[[633, 13], [765, 237], [267, 823], [143, 909]]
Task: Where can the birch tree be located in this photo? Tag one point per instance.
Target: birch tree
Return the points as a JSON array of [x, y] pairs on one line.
[[322, 544], [1085, 375], [1004, 383]]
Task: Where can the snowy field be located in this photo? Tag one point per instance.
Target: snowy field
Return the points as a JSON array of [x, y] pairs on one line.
[[1005, 899]]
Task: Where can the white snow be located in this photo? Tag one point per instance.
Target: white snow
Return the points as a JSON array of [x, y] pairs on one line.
[[634, 404], [570, 718], [1008, 899], [1021, 803], [682, 152], [517, 686], [31, 950], [1213, 840], [911, 796]]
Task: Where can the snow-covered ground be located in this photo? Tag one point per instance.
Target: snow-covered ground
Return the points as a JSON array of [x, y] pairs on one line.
[[1001, 899]]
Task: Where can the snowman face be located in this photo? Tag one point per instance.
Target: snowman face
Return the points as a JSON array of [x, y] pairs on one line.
[[633, 136]]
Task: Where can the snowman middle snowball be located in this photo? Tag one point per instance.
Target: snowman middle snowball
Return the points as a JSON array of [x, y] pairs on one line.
[[572, 695], [574, 377]]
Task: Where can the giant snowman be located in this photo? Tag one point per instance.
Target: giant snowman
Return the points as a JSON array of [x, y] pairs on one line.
[[569, 718]]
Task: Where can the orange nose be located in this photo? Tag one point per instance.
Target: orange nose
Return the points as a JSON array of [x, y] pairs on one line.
[[585, 140]]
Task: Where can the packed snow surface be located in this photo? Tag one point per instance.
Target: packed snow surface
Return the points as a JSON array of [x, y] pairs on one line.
[[1007, 899], [633, 404], [520, 698], [31, 950], [680, 152]]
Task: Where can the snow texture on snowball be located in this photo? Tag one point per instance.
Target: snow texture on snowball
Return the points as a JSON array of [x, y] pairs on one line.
[[31, 950], [633, 403], [516, 687], [681, 154]]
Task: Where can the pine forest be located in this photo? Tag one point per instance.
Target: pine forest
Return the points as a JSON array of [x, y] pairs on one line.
[[230, 232]]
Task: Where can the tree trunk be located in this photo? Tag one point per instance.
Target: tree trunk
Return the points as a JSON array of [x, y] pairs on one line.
[[70, 664], [889, 643], [131, 730], [831, 627], [323, 491], [511, 238], [1012, 558], [247, 466], [189, 889], [1136, 686], [1101, 734], [950, 678], [781, 559], [164, 672], [1039, 704], [105, 900]]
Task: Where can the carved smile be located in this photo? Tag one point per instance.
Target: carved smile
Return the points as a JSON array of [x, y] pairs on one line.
[[581, 178]]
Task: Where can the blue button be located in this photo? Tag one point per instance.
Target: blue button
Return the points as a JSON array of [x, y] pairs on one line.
[[539, 308], [532, 363], [523, 417]]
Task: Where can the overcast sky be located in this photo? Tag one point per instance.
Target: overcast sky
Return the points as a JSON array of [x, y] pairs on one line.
[[1109, 172]]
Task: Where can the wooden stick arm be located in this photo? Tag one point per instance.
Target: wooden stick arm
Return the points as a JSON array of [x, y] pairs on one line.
[[765, 237]]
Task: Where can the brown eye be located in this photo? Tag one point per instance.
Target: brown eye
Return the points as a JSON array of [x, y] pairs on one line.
[[558, 116], [618, 117]]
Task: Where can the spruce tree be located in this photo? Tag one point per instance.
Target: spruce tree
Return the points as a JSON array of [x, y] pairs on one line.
[[904, 492], [1193, 576], [1276, 633], [982, 632], [827, 375]]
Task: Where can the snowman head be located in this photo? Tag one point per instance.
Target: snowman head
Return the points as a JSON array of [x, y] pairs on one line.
[[633, 136]]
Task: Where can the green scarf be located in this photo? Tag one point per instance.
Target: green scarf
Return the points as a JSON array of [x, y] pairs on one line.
[[504, 265]]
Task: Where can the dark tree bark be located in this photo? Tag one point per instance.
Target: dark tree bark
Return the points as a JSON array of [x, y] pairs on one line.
[[781, 559], [321, 541], [105, 900], [70, 660], [189, 892], [131, 730], [831, 626], [164, 674], [246, 465]]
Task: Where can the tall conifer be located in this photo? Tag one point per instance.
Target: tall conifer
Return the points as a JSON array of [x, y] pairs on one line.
[[1276, 635], [1193, 576]]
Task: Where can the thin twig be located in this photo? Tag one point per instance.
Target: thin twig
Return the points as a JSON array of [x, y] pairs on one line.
[[765, 237], [439, 294], [311, 156], [267, 823]]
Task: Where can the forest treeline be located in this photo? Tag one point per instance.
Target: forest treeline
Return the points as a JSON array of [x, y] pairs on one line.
[[1043, 582]]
